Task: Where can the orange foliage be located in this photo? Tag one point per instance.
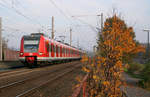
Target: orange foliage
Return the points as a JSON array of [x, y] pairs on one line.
[[117, 42]]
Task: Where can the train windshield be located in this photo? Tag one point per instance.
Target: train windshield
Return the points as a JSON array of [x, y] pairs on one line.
[[31, 45]]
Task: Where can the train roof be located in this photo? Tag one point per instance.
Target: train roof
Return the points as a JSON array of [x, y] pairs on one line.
[[38, 35], [63, 44]]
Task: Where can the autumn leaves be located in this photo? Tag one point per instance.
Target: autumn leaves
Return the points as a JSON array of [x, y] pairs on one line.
[[115, 45]]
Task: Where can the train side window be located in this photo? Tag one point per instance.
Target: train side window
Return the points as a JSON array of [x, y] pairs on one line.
[[66, 51], [49, 47], [58, 49], [62, 50], [52, 48]]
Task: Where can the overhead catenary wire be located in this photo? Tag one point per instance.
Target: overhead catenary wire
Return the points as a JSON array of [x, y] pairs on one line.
[[20, 4], [26, 9], [19, 13], [61, 11], [91, 26]]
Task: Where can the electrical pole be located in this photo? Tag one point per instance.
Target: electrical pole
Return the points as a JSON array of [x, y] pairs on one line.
[[101, 26], [78, 44], [101, 22], [70, 36], [52, 27], [94, 49], [0, 39], [147, 41]]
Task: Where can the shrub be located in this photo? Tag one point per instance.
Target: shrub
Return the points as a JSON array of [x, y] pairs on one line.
[[136, 68]]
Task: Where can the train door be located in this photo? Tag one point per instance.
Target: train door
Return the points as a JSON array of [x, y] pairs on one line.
[[47, 48], [52, 50]]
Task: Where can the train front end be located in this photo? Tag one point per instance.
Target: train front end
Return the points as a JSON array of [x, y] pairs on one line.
[[31, 48]]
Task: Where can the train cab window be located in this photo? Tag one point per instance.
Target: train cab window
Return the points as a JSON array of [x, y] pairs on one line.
[[31, 45]]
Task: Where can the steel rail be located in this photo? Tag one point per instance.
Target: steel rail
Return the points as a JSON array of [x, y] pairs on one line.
[[32, 89], [21, 81], [5, 73]]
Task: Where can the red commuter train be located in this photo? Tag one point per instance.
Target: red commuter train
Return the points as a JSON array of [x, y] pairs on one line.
[[37, 48]]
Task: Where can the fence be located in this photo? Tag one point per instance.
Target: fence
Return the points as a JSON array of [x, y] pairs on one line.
[[10, 55], [81, 90]]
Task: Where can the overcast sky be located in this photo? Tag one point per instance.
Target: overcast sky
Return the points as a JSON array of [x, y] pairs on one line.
[[21, 17]]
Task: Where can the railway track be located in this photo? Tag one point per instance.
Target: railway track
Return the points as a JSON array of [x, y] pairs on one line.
[[28, 92], [26, 86], [13, 77], [12, 72]]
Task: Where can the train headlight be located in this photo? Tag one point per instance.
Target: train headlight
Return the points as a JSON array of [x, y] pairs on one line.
[[40, 53], [21, 53]]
